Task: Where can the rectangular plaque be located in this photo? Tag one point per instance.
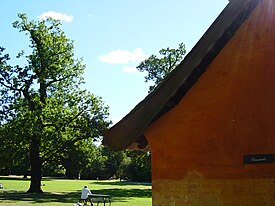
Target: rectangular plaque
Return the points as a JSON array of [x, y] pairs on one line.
[[258, 158]]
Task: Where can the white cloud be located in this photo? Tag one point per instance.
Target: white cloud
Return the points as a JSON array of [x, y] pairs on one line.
[[129, 69], [56, 15], [123, 56]]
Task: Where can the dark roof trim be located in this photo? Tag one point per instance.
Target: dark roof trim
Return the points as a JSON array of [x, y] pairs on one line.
[[128, 130]]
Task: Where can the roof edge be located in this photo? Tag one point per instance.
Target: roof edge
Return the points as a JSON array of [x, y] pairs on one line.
[[127, 131]]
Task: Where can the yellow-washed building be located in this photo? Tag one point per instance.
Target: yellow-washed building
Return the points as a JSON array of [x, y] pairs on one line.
[[210, 124]]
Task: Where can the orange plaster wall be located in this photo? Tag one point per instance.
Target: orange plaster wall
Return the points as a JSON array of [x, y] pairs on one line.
[[229, 112]]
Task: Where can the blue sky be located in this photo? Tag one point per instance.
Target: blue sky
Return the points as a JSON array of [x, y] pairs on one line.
[[113, 37]]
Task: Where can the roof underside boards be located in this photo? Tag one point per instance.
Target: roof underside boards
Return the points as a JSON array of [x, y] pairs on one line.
[[128, 132]]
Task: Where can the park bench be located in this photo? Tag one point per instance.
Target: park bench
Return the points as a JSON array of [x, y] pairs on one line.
[[97, 199]]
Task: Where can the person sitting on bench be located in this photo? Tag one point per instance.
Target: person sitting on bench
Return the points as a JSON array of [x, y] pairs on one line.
[[85, 193]]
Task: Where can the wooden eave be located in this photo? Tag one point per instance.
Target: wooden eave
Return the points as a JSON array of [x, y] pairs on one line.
[[128, 132]]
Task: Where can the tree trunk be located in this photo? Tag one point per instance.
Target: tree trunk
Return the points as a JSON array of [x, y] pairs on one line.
[[35, 186]]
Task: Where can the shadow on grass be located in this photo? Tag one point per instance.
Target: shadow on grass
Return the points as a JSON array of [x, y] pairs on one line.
[[70, 197], [117, 195], [28, 178], [122, 183], [14, 178]]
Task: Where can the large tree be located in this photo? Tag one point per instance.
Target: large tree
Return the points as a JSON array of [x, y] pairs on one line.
[[159, 67], [42, 104]]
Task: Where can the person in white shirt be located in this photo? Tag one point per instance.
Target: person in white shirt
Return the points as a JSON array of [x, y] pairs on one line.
[[85, 193]]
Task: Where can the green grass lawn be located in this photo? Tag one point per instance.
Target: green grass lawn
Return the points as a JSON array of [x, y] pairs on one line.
[[67, 192]]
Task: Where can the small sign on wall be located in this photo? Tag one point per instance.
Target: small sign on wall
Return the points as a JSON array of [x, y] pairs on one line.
[[258, 158]]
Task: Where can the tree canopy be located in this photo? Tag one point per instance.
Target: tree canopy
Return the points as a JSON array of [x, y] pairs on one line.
[[43, 109], [159, 67]]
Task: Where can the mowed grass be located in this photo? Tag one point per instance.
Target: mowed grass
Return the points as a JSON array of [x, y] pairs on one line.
[[67, 192]]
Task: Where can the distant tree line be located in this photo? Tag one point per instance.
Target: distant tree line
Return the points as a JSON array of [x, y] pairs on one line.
[[87, 161]]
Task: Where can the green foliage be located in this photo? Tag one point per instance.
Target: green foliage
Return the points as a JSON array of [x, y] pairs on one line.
[[103, 163], [43, 107], [159, 68], [138, 167], [113, 161]]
